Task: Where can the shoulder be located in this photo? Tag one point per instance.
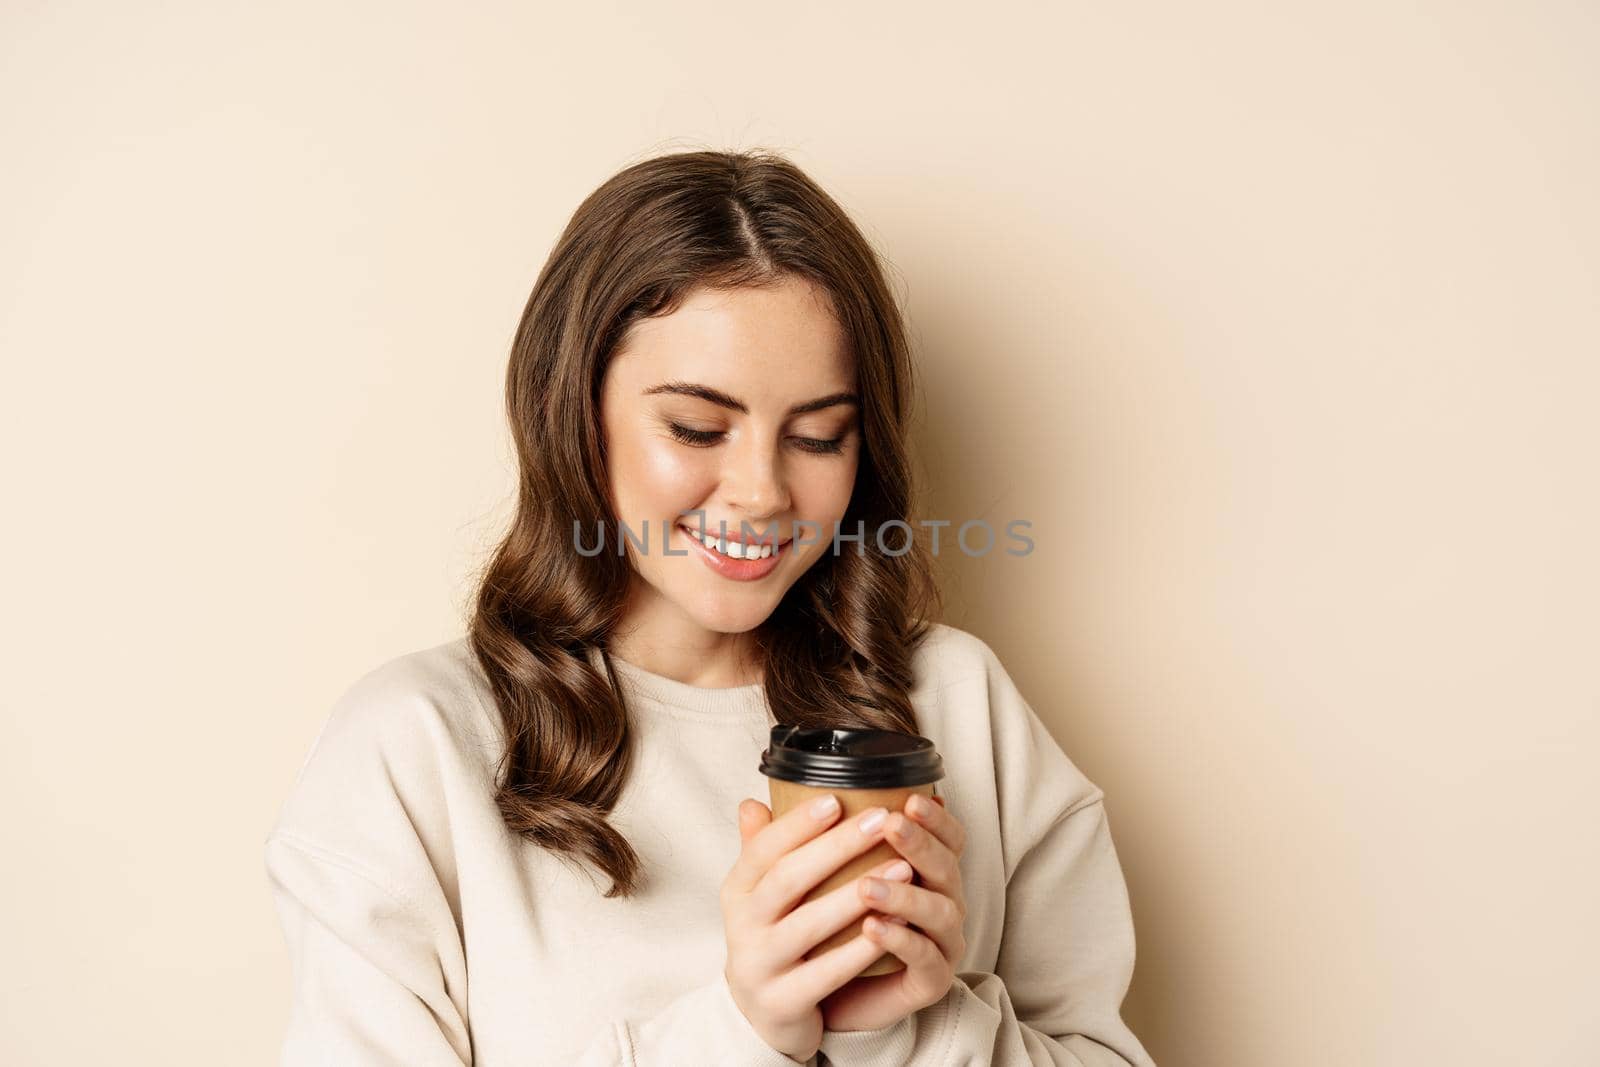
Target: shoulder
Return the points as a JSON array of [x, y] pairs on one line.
[[431, 697], [965, 648], [969, 704], [949, 656], [441, 671], [403, 733], [395, 786]]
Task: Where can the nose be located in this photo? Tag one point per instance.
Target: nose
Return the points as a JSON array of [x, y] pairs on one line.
[[754, 483]]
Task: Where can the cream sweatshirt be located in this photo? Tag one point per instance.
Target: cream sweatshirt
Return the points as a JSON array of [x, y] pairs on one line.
[[423, 933]]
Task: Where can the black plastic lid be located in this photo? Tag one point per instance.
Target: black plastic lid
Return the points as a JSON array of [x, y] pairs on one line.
[[851, 758]]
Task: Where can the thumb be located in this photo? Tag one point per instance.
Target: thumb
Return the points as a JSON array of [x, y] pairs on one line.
[[753, 815]]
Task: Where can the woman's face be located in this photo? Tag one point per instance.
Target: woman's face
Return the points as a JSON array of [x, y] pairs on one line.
[[744, 455]]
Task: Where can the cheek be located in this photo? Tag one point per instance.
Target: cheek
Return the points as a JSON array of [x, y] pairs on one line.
[[657, 478], [825, 490]]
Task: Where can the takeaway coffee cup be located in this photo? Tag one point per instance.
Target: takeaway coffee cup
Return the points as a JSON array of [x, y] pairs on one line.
[[864, 769]]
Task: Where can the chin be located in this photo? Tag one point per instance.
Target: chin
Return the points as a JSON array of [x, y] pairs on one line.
[[726, 618]]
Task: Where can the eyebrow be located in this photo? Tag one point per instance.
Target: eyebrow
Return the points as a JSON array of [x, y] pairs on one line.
[[717, 396]]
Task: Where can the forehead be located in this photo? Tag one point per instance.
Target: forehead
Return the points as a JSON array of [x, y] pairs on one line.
[[773, 341]]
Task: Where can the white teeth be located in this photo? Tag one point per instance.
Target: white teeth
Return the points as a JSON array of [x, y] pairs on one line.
[[732, 549]]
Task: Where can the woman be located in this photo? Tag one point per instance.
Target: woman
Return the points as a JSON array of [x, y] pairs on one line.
[[710, 346]]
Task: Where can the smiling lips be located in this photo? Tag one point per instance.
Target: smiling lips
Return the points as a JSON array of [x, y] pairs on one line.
[[721, 559], [749, 545]]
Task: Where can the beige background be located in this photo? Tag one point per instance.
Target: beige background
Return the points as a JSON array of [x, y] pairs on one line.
[[1278, 322]]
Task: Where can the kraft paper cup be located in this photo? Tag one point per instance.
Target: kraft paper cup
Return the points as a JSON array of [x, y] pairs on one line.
[[864, 769]]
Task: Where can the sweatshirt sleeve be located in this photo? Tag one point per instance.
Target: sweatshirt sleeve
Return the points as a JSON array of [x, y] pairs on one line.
[[1067, 947], [703, 1025], [377, 981]]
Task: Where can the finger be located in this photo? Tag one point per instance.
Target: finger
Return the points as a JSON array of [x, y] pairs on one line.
[[933, 860], [807, 926], [774, 840], [931, 814], [798, 872], [753, 817], [928, 973], [814, 979], [935, 914]]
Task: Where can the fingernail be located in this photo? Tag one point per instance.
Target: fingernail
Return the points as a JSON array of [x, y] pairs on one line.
[[876, 890], [823, 807], [916, 805], [873, 819], [900, 872]]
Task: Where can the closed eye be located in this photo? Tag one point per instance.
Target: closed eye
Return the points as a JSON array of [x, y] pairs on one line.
[[705, 438]]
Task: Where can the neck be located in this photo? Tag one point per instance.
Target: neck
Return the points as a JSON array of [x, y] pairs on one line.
[[692, 655]]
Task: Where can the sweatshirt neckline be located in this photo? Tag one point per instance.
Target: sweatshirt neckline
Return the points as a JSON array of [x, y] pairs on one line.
[[660, 689]]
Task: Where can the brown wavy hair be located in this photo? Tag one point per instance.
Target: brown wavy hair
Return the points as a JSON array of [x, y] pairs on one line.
[[837, 651]]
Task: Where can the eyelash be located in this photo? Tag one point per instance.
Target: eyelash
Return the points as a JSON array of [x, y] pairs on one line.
[[814, 445]]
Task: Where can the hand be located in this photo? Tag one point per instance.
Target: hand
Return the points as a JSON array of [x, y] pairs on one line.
[[932, 843], [781, 861]]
